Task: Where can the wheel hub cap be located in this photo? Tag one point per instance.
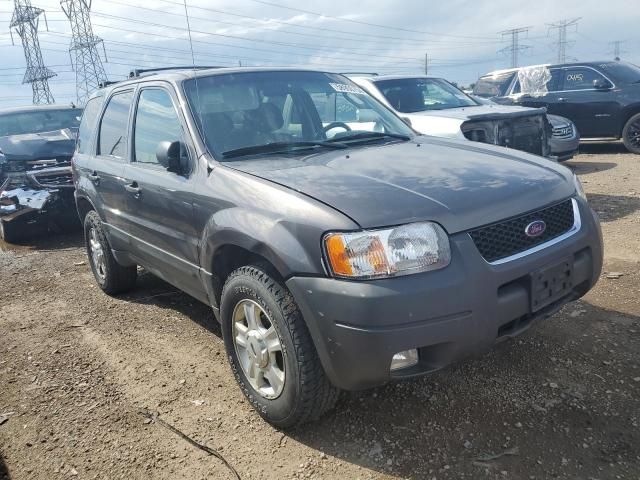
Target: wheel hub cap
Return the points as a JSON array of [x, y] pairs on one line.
[[258, 349]]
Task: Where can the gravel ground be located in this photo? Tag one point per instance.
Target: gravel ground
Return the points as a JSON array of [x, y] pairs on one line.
[[76, 367]]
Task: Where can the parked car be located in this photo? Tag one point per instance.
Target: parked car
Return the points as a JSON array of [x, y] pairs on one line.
[[335, 255], [36, 188], [601, 98], [433, 106], [564, 140]]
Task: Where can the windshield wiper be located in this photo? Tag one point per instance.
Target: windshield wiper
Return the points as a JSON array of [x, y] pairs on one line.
[[369, 136], [278, 147]]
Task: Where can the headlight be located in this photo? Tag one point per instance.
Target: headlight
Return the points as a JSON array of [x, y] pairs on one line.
[[579, 189], [412, 248]]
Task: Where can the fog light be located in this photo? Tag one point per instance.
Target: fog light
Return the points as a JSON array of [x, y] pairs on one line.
[[404, 359]]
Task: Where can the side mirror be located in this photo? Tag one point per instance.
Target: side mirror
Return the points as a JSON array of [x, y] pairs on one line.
[[601, 84], [172, 156]]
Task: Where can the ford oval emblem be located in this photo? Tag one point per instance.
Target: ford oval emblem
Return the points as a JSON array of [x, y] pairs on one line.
[[535, 228]]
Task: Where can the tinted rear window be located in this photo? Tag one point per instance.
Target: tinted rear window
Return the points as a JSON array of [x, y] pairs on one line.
[[88, 123], [115, 122], [39, 121], [493, 85]]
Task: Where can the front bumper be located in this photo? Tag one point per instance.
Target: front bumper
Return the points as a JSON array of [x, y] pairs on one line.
[[447, 314]]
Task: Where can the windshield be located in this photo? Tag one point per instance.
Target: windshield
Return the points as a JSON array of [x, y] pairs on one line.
[[409, 95], [493, 85], [239, 111], [621, 72], [39, 121]]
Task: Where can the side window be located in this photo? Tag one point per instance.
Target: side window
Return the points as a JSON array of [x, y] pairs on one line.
[[88, 123], [345, 110], [580, 78], [156, 121], [113, 128], [553, 85]]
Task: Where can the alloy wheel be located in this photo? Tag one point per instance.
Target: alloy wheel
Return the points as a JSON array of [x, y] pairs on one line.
[[97, 255], [258, 349]]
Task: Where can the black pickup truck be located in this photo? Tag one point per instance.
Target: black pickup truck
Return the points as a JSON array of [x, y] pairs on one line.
[[601, 98], [36, 189]]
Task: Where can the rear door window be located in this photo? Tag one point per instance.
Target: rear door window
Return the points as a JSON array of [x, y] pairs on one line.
[[580, 78], [114, 126], [88, 123], [553, 85]]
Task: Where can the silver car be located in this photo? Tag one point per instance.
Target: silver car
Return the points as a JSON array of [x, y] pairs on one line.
[[434, 106]]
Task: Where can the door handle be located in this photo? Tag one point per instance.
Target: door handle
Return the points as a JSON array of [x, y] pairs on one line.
[[94, 177], [562, 99], [134, 189]]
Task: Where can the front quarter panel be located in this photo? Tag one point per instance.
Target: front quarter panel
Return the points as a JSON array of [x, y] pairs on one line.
[[285, 227]]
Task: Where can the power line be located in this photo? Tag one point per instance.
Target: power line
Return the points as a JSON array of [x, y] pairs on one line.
[[515, 48], [273, 22], [25, 21], [359, 22], [88, 64], [562, 43]]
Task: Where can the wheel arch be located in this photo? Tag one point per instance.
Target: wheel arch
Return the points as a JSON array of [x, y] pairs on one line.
[[628, 112], [238, 237], [84, 206]]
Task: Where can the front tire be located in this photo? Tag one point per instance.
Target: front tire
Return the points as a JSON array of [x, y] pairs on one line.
[[111, 277], [10, 231], [271, 352], [631, 134]]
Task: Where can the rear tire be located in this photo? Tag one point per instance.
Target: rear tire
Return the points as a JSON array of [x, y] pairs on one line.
[[299, 390], [111, 277], [631, 134]]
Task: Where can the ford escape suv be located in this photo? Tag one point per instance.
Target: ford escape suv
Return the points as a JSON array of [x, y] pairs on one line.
[[334, 255]]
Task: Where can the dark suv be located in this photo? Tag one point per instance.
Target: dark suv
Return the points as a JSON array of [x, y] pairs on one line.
[[335, 255], [601, 98]]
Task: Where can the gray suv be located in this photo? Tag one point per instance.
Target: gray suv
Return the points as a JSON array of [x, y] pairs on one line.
[[335, 255]]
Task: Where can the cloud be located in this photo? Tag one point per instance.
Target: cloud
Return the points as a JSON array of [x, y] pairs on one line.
[[460, 37]]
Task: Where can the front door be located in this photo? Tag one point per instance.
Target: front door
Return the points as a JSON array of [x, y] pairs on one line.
[[160, 211], [595, 111]]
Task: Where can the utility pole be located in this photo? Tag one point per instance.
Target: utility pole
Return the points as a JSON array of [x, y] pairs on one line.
[[88, 65], [426, 64], [25, 21], [515, 48], [617, 49], [562, 43]]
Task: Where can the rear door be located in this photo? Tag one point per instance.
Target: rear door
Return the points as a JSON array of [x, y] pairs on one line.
[[107, 168], [159, 202], [594, 111]]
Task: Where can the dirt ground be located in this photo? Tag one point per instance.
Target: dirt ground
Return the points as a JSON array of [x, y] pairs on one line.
[[77, 366]]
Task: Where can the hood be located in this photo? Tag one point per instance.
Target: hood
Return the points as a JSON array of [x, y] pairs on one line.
[[38, 146], [475, 112], [459, 184]]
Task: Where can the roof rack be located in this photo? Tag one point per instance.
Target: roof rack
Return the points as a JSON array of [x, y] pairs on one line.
[[371, 74], [139, 71], [107, 83]]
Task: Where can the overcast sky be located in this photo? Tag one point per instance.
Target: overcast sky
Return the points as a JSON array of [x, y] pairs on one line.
[[461, 37]]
